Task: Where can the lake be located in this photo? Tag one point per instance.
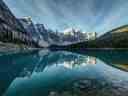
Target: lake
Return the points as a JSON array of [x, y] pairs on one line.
[[61, 73]]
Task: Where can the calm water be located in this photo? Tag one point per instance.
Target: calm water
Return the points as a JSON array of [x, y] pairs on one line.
[[59, 73]]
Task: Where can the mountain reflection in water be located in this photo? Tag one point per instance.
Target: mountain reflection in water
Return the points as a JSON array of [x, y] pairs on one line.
[[60, 73]]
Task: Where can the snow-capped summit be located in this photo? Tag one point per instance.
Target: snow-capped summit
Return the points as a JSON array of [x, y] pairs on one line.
[[71, 31]]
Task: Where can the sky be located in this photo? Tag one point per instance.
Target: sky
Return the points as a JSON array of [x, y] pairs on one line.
[[87, 15]]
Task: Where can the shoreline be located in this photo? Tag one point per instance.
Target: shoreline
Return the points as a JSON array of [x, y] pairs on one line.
[[10, 48], [90, 49]]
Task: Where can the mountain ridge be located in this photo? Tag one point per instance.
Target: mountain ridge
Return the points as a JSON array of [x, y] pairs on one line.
[[116, 38]]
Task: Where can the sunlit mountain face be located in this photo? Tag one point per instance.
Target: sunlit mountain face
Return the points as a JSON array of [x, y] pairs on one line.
[[88, 15]]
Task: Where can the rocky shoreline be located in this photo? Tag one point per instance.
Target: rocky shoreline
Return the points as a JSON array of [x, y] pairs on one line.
[[9, 48]]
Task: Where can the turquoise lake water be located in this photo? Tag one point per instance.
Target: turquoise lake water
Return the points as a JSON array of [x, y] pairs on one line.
[[61, 73]]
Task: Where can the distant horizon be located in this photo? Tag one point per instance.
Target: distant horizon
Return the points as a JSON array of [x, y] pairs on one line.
[[88, 15]]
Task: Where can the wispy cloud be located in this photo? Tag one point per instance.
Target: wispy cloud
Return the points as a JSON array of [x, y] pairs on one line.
[[89, 15]]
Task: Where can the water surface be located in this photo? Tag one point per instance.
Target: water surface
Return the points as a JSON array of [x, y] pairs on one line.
[[61, 73]]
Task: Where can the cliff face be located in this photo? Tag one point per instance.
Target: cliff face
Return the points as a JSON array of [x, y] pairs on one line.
[[9, 18], [30, 27], [11, 30]]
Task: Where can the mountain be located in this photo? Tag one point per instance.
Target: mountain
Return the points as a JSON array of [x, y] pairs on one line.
[[47, 36], [76, 35], [30, 27], [73, 35], [11, 30], [24, 31], [68, 36], [40, 28], [116, 38]]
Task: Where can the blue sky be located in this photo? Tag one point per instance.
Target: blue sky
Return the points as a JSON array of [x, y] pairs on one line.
[[88, 15]]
